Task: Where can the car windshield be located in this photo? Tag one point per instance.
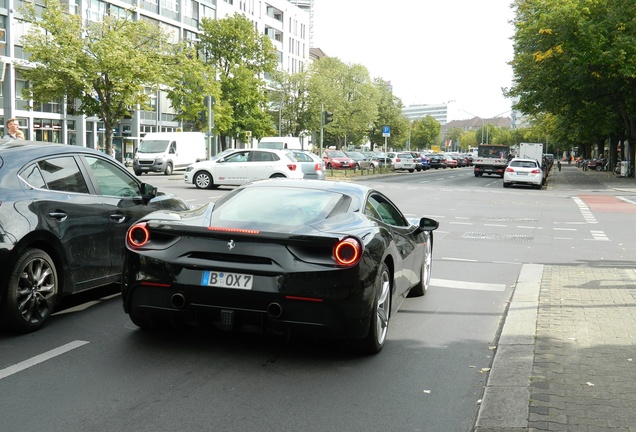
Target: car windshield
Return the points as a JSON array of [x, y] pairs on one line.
[[251, 208], [336, 154], [355, 155], [153, 146]]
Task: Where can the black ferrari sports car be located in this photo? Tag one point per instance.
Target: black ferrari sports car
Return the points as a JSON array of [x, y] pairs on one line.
[[330, 259]]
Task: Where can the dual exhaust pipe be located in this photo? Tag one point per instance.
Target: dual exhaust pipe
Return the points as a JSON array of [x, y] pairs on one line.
[[273, 310]]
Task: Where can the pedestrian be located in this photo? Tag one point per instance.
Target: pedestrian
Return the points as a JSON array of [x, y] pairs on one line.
[[13, 126], [559, 164]]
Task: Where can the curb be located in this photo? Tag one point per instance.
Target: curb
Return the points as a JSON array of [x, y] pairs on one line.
[[505, 404]]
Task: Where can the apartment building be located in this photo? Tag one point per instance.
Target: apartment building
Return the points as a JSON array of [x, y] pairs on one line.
[[55, 121]]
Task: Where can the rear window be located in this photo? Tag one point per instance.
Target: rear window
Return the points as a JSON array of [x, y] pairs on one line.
[[405, 155], [251, 208], [523, 164]]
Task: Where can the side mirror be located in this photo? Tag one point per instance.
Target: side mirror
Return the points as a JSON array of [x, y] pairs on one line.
[[148, 192], [426, 224]]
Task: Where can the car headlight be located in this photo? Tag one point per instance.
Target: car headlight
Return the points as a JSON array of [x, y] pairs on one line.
[[189, 168]]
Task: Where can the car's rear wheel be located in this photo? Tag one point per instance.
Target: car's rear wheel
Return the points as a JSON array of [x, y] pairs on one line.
[[507, 185], [203, 180], [411, 170], [425, 279], [278, 175], [32, 289], [380, 315]]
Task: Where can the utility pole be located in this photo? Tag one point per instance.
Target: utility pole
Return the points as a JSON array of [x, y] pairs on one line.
[[209, 102], [322, 110]]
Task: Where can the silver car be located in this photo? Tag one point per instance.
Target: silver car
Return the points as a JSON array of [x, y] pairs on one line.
[[311, 165]]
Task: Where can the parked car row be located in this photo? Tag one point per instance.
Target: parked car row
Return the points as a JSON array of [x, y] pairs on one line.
[[448, 160]]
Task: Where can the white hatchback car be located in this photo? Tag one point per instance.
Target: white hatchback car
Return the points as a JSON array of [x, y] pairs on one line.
[[402, 161], [243, 166], [523, 171]]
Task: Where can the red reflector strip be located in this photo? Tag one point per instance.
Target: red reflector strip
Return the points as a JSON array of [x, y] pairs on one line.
[[235, 230], [309, 299], [157, 284]]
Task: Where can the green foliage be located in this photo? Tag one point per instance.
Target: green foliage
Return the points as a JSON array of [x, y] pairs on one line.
[[389, 114], [107, 67], [348, 92], [289, 103], [240, 56], [576, 60], [426, 133]]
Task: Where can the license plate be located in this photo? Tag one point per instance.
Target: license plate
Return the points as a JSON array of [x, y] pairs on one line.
[[522, 173], [227, 280]]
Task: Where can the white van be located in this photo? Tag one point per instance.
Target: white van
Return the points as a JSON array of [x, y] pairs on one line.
[[168, 151], [281, 143]]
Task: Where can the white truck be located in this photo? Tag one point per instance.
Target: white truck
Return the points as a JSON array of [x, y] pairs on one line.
[[169, 151], [281, 143], [531, 151]]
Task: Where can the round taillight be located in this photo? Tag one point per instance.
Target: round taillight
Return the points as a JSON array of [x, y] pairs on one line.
[[348, 252], [138, 235]]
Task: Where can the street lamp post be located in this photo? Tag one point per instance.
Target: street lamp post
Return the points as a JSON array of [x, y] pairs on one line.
[[483, 124]]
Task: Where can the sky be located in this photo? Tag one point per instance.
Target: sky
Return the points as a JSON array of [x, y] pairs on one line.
[[432, 51]]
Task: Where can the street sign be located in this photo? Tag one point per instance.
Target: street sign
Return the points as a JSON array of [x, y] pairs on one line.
[[386, 131]]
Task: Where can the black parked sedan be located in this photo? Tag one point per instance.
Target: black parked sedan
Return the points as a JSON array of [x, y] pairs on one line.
[[319, 257], [64, 213]]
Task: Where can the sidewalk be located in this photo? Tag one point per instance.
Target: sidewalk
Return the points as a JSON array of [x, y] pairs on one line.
[[566, 358]]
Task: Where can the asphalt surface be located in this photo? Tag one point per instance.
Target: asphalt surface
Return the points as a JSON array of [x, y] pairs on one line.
[[564, 358]]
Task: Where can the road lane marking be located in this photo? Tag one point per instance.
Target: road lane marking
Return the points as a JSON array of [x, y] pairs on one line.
[[599, 235], [18, 367], [477, 286], [84, 306], [458, 259], [585, 210]]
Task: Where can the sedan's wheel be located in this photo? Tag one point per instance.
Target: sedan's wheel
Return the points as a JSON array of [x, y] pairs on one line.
[[203, 180], [425, 279], [507, 185], [278, 175], [379, 324], [31, 293]]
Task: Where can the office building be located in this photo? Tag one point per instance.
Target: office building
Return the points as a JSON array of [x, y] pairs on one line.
[[284, 23], [416, 112]]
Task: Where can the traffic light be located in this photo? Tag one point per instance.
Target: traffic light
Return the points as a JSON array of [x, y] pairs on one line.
[[203, 117], [327, 117]]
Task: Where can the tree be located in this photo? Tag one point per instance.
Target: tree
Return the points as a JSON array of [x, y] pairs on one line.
[[241, 57], [348, 92], [577, 60], [426, 132], [106, 67], [389, 114], [192, 80], [290, 103]]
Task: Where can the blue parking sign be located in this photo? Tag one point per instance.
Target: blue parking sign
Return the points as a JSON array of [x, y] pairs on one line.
[[386, 131]]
